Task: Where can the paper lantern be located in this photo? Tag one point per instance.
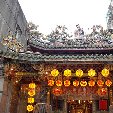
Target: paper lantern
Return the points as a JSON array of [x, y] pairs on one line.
[[83, 83], [91, 73], [67, 83], [102, 91], [91, 83], [100, 83], [31, 92], [75, 83], [108, 83], [50, 82], [79, 73], [54, 72], [32, 85], [58, 83], [105, 72], [67, 72], [57, 91], [31, 100], [30, 108]]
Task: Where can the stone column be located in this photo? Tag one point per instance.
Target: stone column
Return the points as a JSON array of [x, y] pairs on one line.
[[93, 106]]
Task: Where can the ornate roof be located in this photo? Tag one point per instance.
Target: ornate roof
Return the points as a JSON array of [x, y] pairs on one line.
[[36, 57], [60, 39]]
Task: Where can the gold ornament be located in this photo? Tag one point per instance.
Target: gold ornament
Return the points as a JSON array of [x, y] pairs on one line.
[[31, 100], [31, 92], [32, 85], [91, 73], [105, 72], [54, 72], [30, 108], [67, 73], [83, 83], [79, 73]]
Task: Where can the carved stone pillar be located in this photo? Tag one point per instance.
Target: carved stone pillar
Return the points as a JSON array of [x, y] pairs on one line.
[[93, 106], [65, 105]]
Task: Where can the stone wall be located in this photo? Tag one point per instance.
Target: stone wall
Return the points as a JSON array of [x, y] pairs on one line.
[[12, 19]]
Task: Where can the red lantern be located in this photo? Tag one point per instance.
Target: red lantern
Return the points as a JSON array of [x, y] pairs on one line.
[[100, 83], [108, 83], [50, 82], [59, 83], [91, 83], [83, 83], [75, 83], [57, 91], [66, 83]]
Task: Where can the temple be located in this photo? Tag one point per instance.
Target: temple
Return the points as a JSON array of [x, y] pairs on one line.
[[57, 73]]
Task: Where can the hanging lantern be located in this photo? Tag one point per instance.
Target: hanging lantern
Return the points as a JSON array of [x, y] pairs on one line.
[[91, 73], [108, 83], [83, 83], [100, 83], [30, 108], [32, 85], [102, 91], [58, 83], [54, 72], [75, 83], [105, 72], [67, 72], [31, 100], [57, 91], [31, 92], [50, 82], [91, 83], [67, 83], [79, 73]]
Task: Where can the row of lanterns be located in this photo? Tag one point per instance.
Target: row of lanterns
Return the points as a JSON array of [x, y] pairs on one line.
[[77, 83], [79, 72], [31, 100]]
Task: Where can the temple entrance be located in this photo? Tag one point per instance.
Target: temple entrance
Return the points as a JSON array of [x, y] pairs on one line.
[[80, 106]]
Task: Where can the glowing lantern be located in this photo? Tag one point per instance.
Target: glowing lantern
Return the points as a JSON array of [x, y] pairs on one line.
[[59, 83], [75, 83], [50, 82], [31, 92], [57, 91], [83, 83], [91, 83], [91, 73], [32, 85], [67, 72], [105, 72], [67, 83], [100, 83], [31, 100], [30, 108], [108, 83], [54, 72], [79, 73], [102, 91]]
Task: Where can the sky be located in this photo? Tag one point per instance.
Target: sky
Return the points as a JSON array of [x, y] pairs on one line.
[[49, 13]]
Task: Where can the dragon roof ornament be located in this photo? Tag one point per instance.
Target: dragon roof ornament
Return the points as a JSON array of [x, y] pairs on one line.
[[60, 38]]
